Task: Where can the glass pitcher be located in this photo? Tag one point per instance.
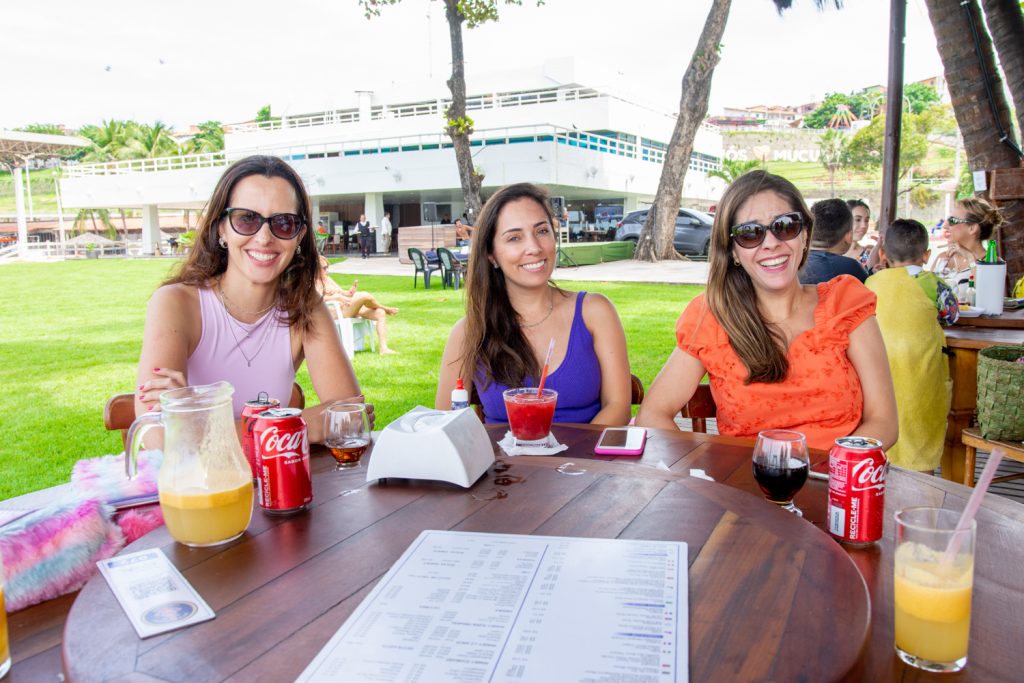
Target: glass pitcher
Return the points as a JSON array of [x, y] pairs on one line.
[[205, 484]]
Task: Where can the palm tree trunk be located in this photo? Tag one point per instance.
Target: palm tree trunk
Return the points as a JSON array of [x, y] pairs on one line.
[[459, 127], [979, 121], [655, 240], [1006, 23]]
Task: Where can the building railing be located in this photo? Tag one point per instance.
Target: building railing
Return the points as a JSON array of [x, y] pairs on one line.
[[386, 145]]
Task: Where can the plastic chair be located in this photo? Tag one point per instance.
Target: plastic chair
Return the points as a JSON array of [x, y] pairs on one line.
[[119, 413], [422, 265], [451, 268], [348, 329]]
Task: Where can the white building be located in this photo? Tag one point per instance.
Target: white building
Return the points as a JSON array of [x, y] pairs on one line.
[[555, 125]]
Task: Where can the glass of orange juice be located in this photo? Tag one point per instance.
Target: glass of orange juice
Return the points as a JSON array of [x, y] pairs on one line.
[[5, 651], [932, 592]]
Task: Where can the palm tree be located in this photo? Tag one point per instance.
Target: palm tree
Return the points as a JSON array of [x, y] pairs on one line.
[[832, 148], [733, 169], [149, 142], [109, 141]]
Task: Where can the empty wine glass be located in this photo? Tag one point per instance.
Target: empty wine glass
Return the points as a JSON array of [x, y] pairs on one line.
[[346, 433], [780, 466]]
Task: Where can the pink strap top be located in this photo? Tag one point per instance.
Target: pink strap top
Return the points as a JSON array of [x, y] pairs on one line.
[[253, 357]]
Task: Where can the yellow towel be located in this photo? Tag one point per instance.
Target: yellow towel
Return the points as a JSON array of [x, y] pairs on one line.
[[920, 373]]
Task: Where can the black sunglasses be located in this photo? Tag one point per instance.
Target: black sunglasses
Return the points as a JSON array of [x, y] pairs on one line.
[[953, 220], [784, 227], [284, 226]]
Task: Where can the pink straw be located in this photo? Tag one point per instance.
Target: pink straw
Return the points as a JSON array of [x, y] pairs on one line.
[[544, 372], [973, 503]]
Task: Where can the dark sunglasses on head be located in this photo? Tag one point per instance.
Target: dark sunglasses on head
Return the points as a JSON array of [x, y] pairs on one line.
[[953, 220], [784, 227], [284, 226]]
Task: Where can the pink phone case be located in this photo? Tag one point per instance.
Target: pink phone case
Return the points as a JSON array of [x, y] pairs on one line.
[[604, 450]]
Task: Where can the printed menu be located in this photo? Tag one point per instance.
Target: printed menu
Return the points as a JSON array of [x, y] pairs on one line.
[[463, 607]]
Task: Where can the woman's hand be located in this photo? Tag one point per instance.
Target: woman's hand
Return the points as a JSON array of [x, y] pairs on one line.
[[149, 391]]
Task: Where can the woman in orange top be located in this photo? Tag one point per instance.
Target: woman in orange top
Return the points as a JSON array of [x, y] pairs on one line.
[[778, 354]]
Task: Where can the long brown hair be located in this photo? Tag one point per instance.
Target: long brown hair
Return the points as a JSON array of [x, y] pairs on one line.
[[495, 346], [296, 287], [730, 293]]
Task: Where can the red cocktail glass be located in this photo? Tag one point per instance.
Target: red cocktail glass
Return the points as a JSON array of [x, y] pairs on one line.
[[530, 415]]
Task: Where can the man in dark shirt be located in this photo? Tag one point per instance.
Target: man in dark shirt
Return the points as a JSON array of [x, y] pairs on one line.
[[833, 234]]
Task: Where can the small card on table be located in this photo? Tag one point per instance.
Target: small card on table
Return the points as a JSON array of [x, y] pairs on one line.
[[153, 593]]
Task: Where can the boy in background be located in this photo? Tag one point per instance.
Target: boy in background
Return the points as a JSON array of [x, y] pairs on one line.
[[906, 313], [832, 237]]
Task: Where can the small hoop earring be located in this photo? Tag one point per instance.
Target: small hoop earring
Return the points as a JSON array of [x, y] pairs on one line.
[[735, 260], [223, 243]]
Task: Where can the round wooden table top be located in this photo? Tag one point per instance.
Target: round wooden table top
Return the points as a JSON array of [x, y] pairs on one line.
[[772, 597]]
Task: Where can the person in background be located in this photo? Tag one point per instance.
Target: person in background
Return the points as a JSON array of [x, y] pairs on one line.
[[356, 305], [243, 306], [910, 252], [973, 219], [513, 311], [385, 230], [913, 342], [779, 355], [861, 225], [363, 226], [462, 233], [833, 223]]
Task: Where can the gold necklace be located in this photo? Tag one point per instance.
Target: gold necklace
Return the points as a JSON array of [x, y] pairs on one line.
[[228, 305], [551, 307]]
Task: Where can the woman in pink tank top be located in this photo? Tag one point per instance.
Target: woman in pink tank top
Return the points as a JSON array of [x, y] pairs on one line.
[[243, 306]]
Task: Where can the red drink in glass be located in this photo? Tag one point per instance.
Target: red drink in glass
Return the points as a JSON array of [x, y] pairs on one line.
[[530, 415]]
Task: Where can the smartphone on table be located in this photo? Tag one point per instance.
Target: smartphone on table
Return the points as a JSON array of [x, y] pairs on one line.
[[621, 441]]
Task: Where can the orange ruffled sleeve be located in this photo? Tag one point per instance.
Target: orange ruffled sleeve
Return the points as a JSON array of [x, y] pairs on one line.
[[843, 304]]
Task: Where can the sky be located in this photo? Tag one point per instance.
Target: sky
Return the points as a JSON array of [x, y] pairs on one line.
[[72, 62]]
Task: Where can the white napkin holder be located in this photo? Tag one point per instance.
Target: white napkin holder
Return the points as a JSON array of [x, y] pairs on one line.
[[442, 445]]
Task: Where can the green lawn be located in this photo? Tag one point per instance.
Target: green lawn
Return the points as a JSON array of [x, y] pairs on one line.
[[64, 351]]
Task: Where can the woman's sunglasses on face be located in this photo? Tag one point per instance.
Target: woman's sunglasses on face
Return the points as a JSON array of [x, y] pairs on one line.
[[784, 227], [953, 220], [284, 226]]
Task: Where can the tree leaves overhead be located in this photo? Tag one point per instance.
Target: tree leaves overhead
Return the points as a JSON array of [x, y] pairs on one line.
[[474, 12]]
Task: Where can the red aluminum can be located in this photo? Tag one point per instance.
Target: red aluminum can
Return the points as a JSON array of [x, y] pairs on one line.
[[281, 445], [249, 413], [856, 490]]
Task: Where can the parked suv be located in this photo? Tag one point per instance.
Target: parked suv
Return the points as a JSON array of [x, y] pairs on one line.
[[693, 230]]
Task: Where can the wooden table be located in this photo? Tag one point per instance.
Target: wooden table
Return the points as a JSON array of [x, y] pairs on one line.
[[964, 343], [293, 582], [1007, 320]]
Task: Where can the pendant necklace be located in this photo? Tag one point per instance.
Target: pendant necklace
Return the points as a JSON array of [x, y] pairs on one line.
[[225, 302]]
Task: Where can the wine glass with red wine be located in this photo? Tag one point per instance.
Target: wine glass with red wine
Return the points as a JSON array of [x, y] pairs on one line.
[[780, 466], [346, 433]]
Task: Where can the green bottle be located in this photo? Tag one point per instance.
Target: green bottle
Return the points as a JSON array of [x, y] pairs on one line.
[[990, 255]]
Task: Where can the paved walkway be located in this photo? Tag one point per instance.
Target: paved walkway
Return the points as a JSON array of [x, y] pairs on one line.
[[675, 272]]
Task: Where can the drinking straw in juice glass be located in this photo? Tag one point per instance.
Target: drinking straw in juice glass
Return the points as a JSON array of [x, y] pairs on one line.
[[530, 415], [934, 577], [932, 598], [544, 372]]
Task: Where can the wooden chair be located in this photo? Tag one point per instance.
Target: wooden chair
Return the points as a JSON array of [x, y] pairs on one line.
[[700, 407], [119, 413], [636, 396], [973, 440], [421, 265]]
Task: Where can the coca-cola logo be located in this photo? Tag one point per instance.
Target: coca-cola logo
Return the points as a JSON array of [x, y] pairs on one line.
[[867, 475], [274, 444]]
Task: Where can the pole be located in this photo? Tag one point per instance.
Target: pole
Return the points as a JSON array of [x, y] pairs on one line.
[[28, 190], [19, 209], [893, 114], [60, 216]]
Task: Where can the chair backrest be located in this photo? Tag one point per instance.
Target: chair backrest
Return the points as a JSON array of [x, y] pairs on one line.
[[417, 258], [119, 413], [446, 258], [700, 407]]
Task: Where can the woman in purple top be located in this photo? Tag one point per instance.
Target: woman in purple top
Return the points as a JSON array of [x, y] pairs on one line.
[[513, 310], [243, 306]]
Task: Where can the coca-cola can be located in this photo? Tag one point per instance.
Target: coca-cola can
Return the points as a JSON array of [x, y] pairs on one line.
[[856, 490], [281, 446], [249, 412]]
